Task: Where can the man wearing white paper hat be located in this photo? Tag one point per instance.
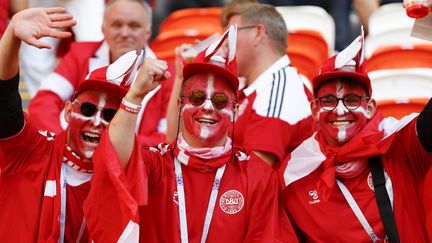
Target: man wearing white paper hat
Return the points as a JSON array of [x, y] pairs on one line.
[[44, 178], [198, 189], [356, 179], [126, 27]]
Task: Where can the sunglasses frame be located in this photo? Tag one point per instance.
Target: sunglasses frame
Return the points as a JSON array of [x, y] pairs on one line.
[[97, 108], [207, 98], [319, 101]]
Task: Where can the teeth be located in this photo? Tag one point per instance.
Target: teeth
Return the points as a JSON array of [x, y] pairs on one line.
[[203, 120], [92, 135], [341, 123]]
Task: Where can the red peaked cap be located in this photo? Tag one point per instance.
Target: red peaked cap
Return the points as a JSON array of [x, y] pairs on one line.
[[97, 81], [204, 64], [349, 63]]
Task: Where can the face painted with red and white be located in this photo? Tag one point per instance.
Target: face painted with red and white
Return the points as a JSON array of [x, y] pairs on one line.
[[341, 124], [83, 134], [205, 125]]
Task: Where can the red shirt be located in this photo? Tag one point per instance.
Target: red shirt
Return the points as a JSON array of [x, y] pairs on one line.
[[30, 189], [274, 112], [4, 15], [405, 162], [255, 217]]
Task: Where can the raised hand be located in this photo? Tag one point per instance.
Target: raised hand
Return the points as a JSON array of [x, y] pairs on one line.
[[32, 24], [151, 74]]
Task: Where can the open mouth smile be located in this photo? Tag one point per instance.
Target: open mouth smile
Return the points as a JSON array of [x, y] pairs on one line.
[[92, 138]]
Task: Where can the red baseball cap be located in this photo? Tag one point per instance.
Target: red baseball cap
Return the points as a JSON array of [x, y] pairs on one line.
[[349, 64], [97, 81], [210, 61]]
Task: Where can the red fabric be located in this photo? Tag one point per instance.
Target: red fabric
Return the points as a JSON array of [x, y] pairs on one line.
[[257, 221], [268, 134], [427, 198], [405, 162], [31, 160], [366, 144], [4, 15]]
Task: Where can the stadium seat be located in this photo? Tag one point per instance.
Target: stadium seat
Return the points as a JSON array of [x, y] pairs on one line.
[[399, 108], [309, 41], [408, 83], [310, 18], [390, 26], [169, 40], [306, 63], [394, 57], [198, 19]]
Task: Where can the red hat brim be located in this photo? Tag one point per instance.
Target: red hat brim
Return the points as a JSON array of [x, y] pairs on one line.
[[101, 86], [362, 78], [195, 68]]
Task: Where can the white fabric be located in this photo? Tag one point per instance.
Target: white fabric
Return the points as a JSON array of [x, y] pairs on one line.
[[130, 233], [204, 153], [50, 188], [58, 85], [290, 99]]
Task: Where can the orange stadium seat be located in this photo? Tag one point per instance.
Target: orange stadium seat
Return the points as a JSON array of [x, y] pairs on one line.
[[305, 62], [207, 19], [309, 41], [402, 107], [393, 57], [169, 40]]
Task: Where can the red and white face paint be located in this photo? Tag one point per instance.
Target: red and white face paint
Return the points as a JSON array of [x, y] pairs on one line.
[[340, 125], [205, 125], [84, 132]]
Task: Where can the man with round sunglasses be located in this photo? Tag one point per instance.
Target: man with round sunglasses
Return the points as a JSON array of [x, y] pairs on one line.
[[357, 178], [198, 189], [44, 178]]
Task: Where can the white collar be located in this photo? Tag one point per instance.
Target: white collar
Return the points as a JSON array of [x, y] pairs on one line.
[[263, 79]]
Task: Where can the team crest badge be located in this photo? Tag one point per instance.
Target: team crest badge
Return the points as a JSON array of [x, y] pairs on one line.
[[231, 202], [370, 181]]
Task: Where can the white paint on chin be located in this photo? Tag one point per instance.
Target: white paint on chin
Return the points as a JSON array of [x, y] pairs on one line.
[[205, 132], [88, 154], [342, 134]]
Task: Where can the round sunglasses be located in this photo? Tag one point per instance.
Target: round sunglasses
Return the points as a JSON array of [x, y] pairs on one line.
[[198, 97], [89, 109]]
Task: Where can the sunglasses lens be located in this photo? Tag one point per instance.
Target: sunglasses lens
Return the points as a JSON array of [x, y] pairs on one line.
[[88, 109], [219, 101], [108, 114], [197, 98]]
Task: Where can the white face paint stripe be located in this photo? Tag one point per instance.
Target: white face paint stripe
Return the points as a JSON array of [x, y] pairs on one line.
[[84, 118]]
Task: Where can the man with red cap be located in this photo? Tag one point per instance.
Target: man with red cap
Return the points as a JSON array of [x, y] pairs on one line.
[[44, 178], [126, 27], [356, 179], [198, 189]]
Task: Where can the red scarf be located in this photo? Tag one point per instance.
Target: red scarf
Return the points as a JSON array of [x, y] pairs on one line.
[[375, 138]]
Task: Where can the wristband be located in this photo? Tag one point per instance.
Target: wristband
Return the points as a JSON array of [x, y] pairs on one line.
[[129, 107]]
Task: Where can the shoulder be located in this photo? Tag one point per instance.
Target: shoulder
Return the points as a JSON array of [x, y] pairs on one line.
[[251, 164], [84, 49]]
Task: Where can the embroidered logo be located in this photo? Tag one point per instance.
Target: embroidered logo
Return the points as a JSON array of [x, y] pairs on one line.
[[175, 198], [231, 202], [370, 181], [314, 195]]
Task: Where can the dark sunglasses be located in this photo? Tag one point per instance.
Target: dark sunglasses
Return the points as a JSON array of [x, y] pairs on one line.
[[88, 109], [351, 101], [218, 100]]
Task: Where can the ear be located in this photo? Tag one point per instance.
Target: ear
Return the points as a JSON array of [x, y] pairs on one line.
[[261, 32], [315, 110], [68, 111], [371, 108]]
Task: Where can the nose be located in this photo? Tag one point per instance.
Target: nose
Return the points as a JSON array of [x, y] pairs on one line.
[[340, 108], [97, 118], [124, 31], [208, 105]]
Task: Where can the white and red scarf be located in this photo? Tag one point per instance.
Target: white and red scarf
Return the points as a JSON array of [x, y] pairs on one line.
[[375, 138]]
